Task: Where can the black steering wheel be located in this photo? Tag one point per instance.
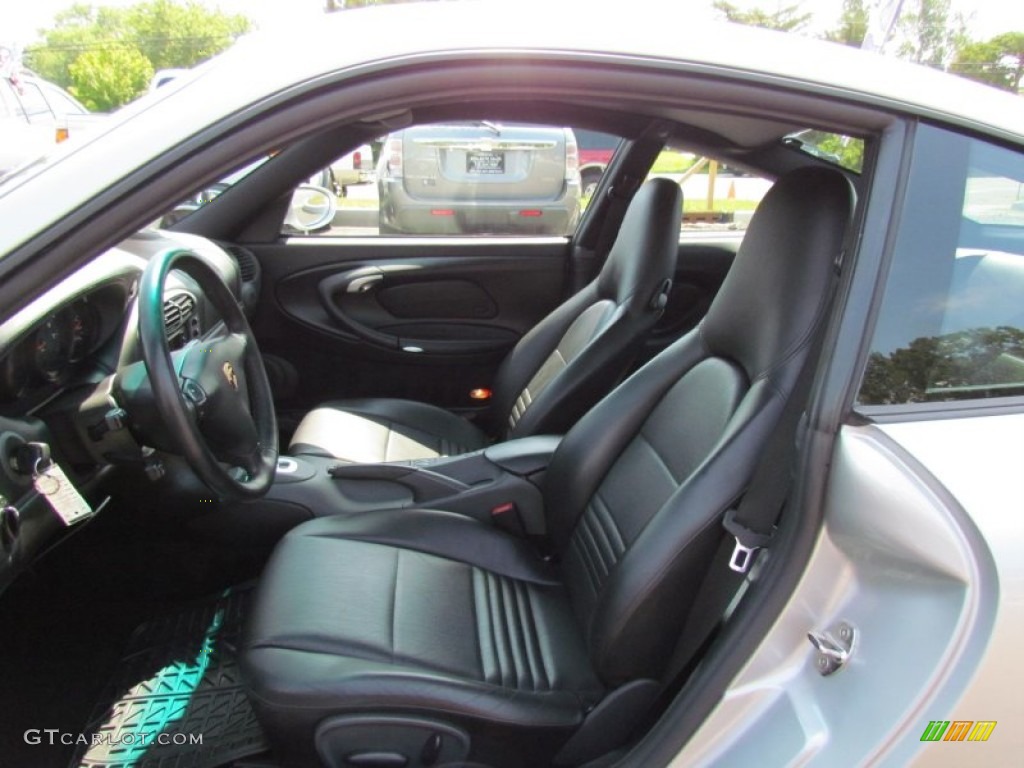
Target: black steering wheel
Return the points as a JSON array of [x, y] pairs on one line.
[[212, 395]]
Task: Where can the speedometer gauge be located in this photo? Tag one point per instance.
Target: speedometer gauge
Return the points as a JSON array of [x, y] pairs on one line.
[[81, 317], [50, 351]]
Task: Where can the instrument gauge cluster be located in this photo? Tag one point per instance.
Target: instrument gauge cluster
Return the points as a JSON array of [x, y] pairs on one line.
[[44, 356]]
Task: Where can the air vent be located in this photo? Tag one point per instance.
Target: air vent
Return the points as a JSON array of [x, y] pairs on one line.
[[248, 267], [177, 310]]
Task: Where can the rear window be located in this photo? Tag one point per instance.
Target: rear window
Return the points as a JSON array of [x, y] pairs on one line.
[[34, 104], [716, 197], [845, 151]]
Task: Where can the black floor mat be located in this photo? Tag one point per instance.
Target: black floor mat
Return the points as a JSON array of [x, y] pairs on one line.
[[177, 698]]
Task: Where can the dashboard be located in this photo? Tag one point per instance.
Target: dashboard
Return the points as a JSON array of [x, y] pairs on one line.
[[46, 356], [58, 357], [84, 327]]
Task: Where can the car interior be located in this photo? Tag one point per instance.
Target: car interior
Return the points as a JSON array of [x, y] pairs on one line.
[[354, 500]]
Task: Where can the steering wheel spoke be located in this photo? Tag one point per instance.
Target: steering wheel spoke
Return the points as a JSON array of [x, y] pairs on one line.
[[213, 396]]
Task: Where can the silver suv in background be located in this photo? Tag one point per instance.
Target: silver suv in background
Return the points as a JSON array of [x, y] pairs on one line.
[[479, 177]]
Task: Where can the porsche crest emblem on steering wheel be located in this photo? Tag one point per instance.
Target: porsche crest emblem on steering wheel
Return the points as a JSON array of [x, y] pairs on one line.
[[230, 375]]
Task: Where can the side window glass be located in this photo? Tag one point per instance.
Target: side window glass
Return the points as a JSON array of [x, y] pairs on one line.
[[467, 178], [596, 150], [7, 102], [951, 326], [716, 197], [36, 108], [62, 103], [845, 151]]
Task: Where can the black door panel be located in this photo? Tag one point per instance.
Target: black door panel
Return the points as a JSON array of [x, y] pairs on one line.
[[459, 299], [423, 320], [456, 315], [432, 321], [700, 270]]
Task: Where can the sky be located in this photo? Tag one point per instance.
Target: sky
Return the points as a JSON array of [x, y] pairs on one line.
[[20, 19]]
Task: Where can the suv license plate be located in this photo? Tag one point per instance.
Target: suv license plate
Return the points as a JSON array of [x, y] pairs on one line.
[[485, 162]]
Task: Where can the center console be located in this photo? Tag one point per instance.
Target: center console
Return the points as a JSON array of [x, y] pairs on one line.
[[500, 483]]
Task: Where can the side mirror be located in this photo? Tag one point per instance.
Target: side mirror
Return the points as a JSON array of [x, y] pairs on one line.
[[312, 209], [195, 202]]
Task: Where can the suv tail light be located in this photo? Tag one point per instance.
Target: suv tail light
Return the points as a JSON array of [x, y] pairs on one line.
[[357, 160], [393, 153], [572, 156]]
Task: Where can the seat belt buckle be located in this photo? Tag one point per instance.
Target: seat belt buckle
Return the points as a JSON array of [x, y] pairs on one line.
[[748, 543], [507, 516]]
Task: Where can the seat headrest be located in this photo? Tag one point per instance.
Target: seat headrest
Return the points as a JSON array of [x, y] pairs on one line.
[[768, 302], [645, 250]]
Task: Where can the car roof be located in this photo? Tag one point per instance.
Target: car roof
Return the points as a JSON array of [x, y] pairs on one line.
[[383, 32], [298, 54], [297, 51]]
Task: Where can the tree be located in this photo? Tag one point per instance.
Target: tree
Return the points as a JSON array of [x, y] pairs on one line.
[[938, 367], [165, 33], [853, 24], [998, 62], [930, 35], [106, 78], [182, 34], [785, 19]]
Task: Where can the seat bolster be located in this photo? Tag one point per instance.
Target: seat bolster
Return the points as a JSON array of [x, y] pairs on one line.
[[588, 451], [590, 376], [286, 678], [445, 534], [527, 357], [382, 429]]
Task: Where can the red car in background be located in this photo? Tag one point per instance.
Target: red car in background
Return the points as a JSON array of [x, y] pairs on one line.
[[596, 150]]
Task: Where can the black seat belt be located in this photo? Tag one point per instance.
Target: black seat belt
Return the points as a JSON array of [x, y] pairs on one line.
[[750, 524]]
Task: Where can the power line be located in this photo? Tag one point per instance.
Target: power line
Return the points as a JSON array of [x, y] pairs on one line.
[[126, 42]]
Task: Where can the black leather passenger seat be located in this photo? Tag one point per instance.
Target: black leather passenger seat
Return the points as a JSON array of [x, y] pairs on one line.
[[556, 372], [383, 632]]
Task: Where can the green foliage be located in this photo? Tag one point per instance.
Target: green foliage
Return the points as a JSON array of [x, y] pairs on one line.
[[106, 78], [176, 34], [786, 19], [931, 34], [998, 62], [947, 366], [166, 33], [853, 24], [845, 151], [848, 151], [670, 161], [77, 30]]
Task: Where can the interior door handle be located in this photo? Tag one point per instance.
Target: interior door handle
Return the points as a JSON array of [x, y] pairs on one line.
[[359, 281], [364, 283]]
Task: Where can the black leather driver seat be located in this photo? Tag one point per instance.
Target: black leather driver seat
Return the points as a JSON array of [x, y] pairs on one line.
[[406, 631], [556, 372]]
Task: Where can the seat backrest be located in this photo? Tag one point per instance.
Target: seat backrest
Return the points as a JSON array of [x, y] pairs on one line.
[[636, 491], [576, 354]]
